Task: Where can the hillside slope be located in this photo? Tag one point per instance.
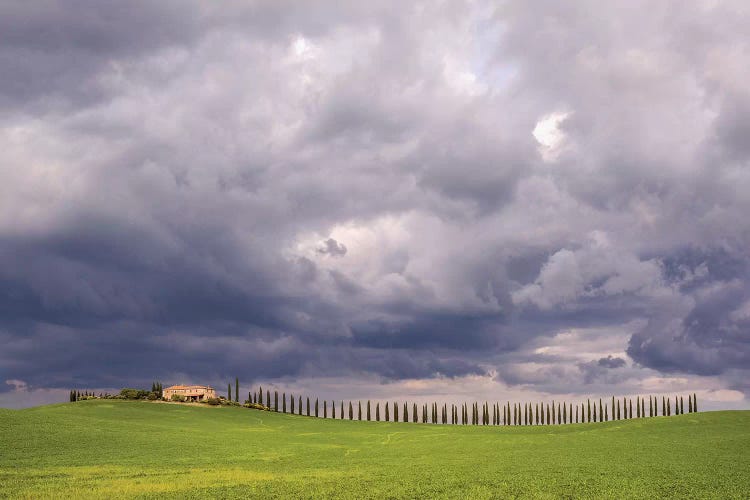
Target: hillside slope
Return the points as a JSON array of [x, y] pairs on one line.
[[126, 449]]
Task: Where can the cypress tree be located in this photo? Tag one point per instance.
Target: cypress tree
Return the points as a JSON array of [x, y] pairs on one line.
[[268, 397], [405, 415], [695, 403], [316, 407], [414, 413], [229, 392], [650, 406], [291, 403], [359, 410], [333, 409], [275, 400], [669, 408], [677, 411], [637, 407], [307, 401], [395, 411], [601, 412], [576, 412], [606, 413], [594, 412], [424, 413], [325, 409], [643, 408], [663, 406], [351, 411], [342, 411], [558, 414], [377, 412], [283, 402], [531, 414], [237, 390], [588, 405], [260, 396], [690, 404], [613, 407], [565, 414], [630, 408], [299, 406], [368, 410], [618, 409]]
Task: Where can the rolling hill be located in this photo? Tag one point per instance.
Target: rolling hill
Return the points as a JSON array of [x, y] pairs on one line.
[[113, 448]]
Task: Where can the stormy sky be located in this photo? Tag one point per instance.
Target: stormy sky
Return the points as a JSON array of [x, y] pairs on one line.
[[439, 200]]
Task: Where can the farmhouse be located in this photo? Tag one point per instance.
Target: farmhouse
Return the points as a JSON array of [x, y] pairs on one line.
[[190, 392]]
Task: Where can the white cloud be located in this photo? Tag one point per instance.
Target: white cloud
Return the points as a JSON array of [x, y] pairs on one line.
[[549, 135]]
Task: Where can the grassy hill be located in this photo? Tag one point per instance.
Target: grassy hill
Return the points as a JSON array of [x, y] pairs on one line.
[[126, 449]]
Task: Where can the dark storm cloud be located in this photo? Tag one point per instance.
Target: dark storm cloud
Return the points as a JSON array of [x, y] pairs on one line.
[[433, 191], [611, 362], [333, 248]]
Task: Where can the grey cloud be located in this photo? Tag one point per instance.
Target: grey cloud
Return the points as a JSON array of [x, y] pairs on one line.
[[333, 248], [611, 362], [168, 170]]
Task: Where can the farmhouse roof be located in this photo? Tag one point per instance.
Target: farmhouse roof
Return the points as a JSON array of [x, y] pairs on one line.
[[188, 387]]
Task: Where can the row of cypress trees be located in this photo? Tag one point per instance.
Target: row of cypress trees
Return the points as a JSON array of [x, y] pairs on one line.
[[236, 390], [482, 413], [76, 395]]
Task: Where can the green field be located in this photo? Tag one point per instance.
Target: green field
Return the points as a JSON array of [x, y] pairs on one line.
[[117, 448]]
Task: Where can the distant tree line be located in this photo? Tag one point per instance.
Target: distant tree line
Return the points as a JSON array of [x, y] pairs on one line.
[[155, 393], [478, 413], [475, 413]]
